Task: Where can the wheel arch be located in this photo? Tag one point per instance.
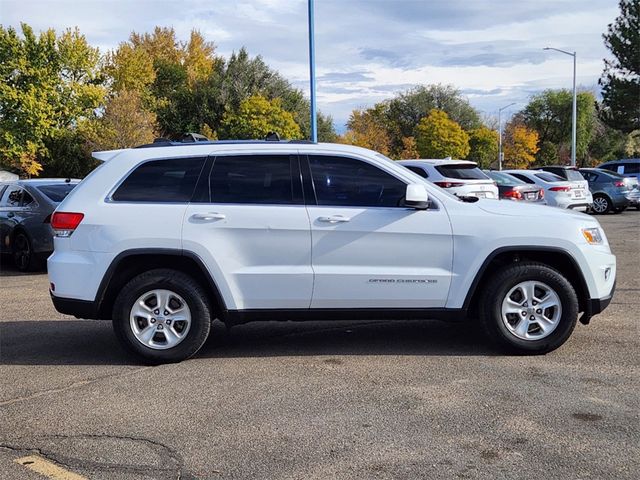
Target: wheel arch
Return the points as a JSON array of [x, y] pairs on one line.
[[133, 262], [554, 257]]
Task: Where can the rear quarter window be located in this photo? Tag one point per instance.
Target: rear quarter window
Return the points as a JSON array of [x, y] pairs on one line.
[[461, 171], [574, 175], [161, 181]]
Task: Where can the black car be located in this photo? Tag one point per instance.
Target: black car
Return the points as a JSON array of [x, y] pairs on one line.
[[25, 214], [511, 188]]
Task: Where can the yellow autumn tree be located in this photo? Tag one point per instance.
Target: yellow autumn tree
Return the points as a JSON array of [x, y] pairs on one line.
[[409, 149], [437, 136], [257, 117], [520, 146], [365, 129]]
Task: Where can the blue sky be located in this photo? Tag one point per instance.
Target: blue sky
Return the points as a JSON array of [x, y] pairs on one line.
[[367, 50]]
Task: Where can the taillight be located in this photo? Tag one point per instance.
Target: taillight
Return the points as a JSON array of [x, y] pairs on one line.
[[560, 189], [619, 183], [448, 184], [64, 223], [513, 193]]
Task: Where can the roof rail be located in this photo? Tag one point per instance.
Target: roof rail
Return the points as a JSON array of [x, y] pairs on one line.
[[195, 138]]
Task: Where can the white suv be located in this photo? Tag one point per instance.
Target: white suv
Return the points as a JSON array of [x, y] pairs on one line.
[[459, 177], [162, 240]]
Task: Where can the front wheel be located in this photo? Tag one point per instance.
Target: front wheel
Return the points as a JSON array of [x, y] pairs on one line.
[[162, 316], [529, 308]]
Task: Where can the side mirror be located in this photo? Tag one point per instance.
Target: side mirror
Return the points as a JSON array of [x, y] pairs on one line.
[[416, 197]]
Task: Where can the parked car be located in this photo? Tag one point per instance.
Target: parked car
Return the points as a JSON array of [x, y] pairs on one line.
[[557, 191], [459, 177], [570, 174], [609, 190], [25, 213], [512, 188], [628, 167], [164, 239]]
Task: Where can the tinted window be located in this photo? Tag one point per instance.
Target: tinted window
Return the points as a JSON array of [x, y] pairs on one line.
[[58, 192], [255, 179], [631, 168], [612, 166], [350, 182], [2, 189], [418, 170], [549, 177], [589, 176], [504, 179], [462, 171], [161, 181], [12, 197], [574, 175], [524, 178], [27, 199]]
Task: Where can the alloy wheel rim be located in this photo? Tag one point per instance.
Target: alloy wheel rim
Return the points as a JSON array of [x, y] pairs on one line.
[[600, 204], [160, 319], [531, 310]]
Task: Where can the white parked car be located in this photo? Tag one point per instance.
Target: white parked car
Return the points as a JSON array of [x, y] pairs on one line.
[[164, 239], [459, 177], [558, 192]]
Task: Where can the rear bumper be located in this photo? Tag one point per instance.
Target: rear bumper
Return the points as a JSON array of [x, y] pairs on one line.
[[73, 306]]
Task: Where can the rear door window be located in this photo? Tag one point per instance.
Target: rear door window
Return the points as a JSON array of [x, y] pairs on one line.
[[418, 170], [524, 178], [27, 199], [12, 197], [161, 181], [461, 171], [255, 179]]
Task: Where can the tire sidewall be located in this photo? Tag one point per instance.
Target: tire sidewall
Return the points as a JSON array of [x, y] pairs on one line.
[[606, 210], [179, 283], [567, 322]]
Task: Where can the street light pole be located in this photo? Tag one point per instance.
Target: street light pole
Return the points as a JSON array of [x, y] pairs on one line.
[[574, 107], [312, 74], [500, 134]]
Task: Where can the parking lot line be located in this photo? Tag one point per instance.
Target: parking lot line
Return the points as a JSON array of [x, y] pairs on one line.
[[47, 468]]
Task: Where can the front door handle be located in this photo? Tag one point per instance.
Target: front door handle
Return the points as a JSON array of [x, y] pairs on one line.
[[208, 217], [335, 219]]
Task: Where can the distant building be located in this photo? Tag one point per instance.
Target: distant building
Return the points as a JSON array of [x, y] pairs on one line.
[[7, 176]]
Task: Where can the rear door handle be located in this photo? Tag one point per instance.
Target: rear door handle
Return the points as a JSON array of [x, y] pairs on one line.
[[208, 217], [335, 219]]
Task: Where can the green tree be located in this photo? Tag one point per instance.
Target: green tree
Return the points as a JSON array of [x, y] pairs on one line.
[[48, 85], [483, 143], [620, 80], [550, 114], [437, 136], [257, 117]]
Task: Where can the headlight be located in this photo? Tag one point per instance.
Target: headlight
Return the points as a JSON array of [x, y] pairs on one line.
[[592, 236]]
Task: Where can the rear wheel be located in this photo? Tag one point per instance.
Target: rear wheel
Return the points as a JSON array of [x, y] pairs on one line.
[[162, 316], [601, 204], [23, 257], [529, 308]]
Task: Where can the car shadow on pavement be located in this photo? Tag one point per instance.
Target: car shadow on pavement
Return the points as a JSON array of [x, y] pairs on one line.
[[86, 342], [8, 269]]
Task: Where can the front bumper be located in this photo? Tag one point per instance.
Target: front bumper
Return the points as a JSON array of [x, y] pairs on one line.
[[595, 306]]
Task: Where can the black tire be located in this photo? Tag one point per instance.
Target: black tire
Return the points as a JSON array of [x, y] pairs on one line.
[[183, 285], [601, 204], [499, 286], [24, 258]]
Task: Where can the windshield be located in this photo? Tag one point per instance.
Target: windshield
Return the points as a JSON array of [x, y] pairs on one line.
[[56, 192], [504, 179], [462, 171]]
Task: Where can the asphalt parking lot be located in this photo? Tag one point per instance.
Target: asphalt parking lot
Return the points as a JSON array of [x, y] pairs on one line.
[[368, 400]]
